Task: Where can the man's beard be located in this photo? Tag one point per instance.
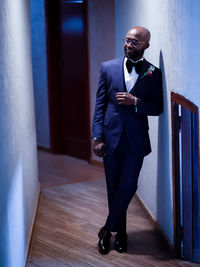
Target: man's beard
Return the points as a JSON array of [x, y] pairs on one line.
[[134, 54]]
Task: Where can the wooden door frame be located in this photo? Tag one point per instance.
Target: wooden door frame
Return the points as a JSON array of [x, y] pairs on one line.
[[53, 76], [179, 99]]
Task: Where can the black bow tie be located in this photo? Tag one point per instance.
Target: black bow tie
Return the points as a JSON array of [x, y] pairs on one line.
[[130, 64]]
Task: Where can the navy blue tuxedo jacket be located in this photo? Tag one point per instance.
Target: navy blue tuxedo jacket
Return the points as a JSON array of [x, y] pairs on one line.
[[111, 119]]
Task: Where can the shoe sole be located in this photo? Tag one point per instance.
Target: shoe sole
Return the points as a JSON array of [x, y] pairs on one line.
[[120, 251], [103, 253]]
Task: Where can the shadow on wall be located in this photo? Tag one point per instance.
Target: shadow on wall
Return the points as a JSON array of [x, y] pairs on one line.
[[163, 183]]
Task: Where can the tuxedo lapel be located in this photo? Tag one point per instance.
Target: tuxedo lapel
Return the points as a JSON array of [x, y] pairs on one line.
[[145, 67], [120, 76]]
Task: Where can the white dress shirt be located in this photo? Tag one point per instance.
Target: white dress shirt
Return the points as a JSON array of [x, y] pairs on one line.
[[130, 78]]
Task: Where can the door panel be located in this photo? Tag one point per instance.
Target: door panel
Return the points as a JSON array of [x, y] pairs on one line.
[[185, 142], [74, 79], [68, 90], [186, 182]]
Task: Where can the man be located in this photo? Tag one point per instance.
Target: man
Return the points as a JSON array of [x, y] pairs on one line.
[[130, 88]]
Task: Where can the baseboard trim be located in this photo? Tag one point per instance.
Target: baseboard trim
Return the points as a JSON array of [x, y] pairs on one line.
[[96, 163], [165, 241], [32, 224], [46, 149]]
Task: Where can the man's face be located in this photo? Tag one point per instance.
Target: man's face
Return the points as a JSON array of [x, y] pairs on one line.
[[134, 46]]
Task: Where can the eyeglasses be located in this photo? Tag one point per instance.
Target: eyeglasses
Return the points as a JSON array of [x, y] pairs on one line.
[[132, 42]]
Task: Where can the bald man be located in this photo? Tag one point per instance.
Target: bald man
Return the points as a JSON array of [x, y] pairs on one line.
[[129, 89]]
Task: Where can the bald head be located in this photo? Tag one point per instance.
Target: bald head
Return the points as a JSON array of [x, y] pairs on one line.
[[142, 33]]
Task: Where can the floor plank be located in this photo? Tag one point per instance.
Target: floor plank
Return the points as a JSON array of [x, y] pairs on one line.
[[72, 208]]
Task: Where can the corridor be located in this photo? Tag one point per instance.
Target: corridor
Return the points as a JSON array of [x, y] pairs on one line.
[[48, 87], [71, 210]]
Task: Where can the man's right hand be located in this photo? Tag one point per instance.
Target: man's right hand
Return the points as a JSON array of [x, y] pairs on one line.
[[99, 148]]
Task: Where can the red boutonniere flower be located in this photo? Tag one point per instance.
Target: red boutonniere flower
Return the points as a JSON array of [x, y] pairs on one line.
[[149, 72]]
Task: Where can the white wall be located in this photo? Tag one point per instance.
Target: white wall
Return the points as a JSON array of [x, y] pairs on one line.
[[174, 48], [101, 40], [18, 159], [39, 61]]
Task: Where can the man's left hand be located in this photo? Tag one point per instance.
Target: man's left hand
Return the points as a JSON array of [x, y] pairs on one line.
[[124, 98]]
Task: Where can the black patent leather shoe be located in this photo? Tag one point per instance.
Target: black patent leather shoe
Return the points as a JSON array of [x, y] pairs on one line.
[[121, 242], [104, 241]]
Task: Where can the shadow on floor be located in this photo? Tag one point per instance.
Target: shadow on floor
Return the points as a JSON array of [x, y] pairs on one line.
[[148, 242]]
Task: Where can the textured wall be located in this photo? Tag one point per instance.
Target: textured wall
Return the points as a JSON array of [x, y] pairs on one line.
[[175, 30], [101, 38], [39, 62], [18, 157]]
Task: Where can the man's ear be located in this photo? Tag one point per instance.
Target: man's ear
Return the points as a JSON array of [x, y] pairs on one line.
[[147, 45]]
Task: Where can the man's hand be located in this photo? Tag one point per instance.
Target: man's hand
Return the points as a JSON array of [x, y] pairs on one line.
[[99, 148], [124, 98]]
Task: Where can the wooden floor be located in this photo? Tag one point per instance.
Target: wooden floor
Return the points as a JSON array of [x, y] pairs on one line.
[[71, 210]]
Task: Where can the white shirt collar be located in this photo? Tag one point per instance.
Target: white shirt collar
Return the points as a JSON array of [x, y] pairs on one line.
[[141, 59], [130, 78]]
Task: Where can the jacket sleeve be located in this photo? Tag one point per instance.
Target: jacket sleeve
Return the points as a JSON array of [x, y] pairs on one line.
[[153, 107], [100, 106]]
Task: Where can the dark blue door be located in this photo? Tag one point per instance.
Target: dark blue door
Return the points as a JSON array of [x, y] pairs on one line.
[[186, 178]]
